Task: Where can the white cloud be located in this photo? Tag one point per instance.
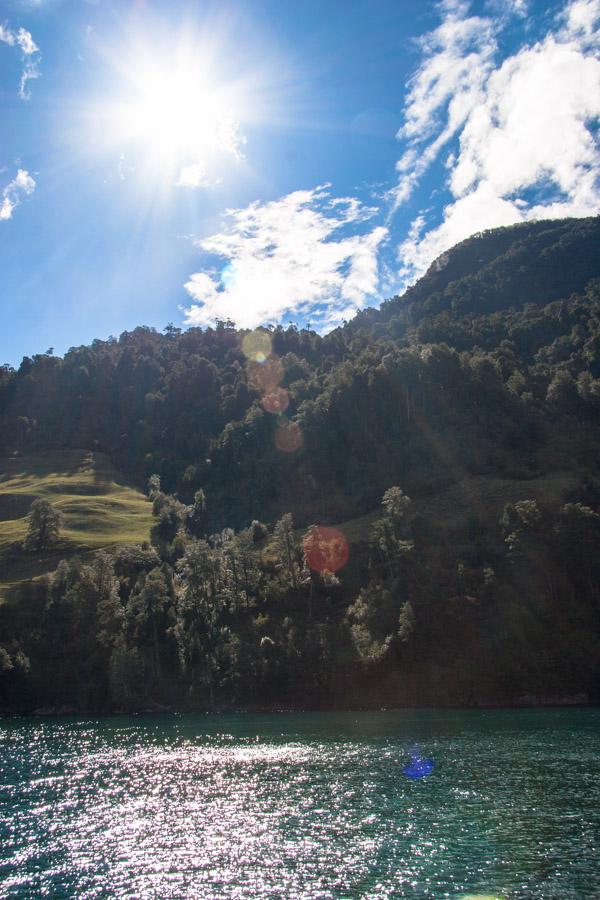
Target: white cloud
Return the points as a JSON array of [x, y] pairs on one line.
[[229, 136], [509, 7], [7, 36], [29, 53], [193, 176], [30, 71], [525, 149], [26, 42], [287, 257], [22, 184], [581, 19], [443, 91]]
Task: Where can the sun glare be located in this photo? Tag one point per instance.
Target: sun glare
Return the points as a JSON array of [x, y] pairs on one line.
[[170, 115], [176, 115]]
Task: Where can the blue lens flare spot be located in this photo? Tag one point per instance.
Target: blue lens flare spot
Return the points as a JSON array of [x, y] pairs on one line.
[[418, 767]]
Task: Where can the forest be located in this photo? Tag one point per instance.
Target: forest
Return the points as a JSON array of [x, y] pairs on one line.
[[402, 512]]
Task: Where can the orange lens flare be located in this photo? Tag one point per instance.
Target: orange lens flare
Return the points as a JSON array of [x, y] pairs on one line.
[[326, 549], [276, 401], [288, 437], [265, 376]]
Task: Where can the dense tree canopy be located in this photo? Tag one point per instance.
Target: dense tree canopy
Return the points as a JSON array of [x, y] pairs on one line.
[[458, 424]]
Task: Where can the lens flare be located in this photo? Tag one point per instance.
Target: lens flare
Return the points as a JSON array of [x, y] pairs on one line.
[[256, 346], [265, 376], [276, 401], [326, 549], [481, 897], [288, 437], [418, 767]]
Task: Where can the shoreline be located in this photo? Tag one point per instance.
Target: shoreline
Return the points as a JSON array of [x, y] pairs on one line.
[[525, 702]]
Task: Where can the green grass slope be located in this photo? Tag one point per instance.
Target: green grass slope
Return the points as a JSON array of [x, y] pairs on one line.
[[99, 508]]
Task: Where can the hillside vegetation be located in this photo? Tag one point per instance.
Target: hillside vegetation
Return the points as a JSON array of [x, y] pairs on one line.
[[450, 437], [99, 509]]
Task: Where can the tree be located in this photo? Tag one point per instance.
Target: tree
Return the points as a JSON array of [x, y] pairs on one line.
[[153, 486], [367, 617], [523, 527], [44, 523], [406, 621], [170, 519], [392, 534], [197, 520], [201, 599], [101, 586], [146, 613], [289, 552]]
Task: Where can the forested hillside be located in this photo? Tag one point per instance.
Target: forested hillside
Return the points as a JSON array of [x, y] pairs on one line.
[[451, 438]]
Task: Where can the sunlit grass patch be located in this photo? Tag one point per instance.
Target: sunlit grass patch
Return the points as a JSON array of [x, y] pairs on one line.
[[99, 509]]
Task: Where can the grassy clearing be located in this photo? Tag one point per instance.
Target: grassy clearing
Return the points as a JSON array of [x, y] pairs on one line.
[[99, 508]]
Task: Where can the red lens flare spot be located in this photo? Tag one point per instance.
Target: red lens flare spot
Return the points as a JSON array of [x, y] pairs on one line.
[[326, 549], [276, 401], [265, 376], [288, 437]]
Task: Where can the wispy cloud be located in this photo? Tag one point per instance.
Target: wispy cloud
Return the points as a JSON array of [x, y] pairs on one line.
[[291, 256], [6, 36], [29, 54], [21, 185], [509, 7], [526, 147], [446, 87], [26, 42]]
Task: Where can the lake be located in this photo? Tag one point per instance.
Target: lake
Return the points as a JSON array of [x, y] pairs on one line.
[[417, 803]]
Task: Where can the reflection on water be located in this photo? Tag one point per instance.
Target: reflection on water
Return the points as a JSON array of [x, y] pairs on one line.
[[302, 805]]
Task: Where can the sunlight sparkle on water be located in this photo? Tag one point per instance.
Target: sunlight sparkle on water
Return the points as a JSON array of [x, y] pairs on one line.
[[195, 806]]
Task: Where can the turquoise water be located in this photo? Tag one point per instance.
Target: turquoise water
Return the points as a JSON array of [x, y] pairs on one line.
[[302, 805]]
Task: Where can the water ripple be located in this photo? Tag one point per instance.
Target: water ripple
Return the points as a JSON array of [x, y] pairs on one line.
[[302, 806]]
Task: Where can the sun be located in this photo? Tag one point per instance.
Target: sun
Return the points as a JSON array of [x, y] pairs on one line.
[[170, 116], [178, 115]]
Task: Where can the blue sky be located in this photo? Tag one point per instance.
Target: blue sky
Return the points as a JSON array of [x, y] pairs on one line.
[[273, 162]]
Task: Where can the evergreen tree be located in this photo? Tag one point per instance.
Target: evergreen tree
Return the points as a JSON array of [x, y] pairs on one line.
[[43, 526]]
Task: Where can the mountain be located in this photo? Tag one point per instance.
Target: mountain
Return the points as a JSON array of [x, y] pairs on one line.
[[469, 406], [500, 269]]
